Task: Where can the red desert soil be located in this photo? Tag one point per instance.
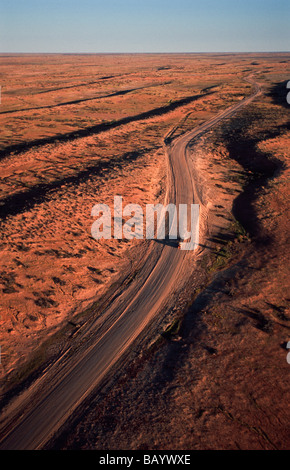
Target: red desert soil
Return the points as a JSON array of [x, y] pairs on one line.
[[214, 375], [58, 162]]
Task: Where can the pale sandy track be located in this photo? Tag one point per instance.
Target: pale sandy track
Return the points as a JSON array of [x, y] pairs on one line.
[[43, 409]]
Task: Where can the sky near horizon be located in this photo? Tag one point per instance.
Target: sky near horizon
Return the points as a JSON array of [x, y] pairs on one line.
[[91, 26]]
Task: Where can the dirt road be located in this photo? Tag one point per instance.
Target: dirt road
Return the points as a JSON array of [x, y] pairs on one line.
[[44, 408]]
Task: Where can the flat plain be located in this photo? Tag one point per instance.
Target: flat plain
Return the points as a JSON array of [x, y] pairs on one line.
[[77, 130]]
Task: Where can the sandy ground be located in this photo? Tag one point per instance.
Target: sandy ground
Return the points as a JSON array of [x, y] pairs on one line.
[[231, 342], [51, 176], [218, 379]]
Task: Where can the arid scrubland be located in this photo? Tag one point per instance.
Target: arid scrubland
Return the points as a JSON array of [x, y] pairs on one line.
[[77, 130]]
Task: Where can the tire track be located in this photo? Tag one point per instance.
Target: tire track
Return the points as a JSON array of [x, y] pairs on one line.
[[80, 374]]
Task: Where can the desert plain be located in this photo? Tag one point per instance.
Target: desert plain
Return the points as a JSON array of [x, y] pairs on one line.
[[210, 371]]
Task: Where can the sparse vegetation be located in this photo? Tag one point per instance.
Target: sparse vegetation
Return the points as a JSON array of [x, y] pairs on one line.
[[226, 336], [173, 329]]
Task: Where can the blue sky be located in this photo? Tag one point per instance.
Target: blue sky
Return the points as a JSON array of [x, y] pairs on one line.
[[144, 25]]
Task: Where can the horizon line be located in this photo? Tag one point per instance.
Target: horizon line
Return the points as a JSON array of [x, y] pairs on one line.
[[140, 53]]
